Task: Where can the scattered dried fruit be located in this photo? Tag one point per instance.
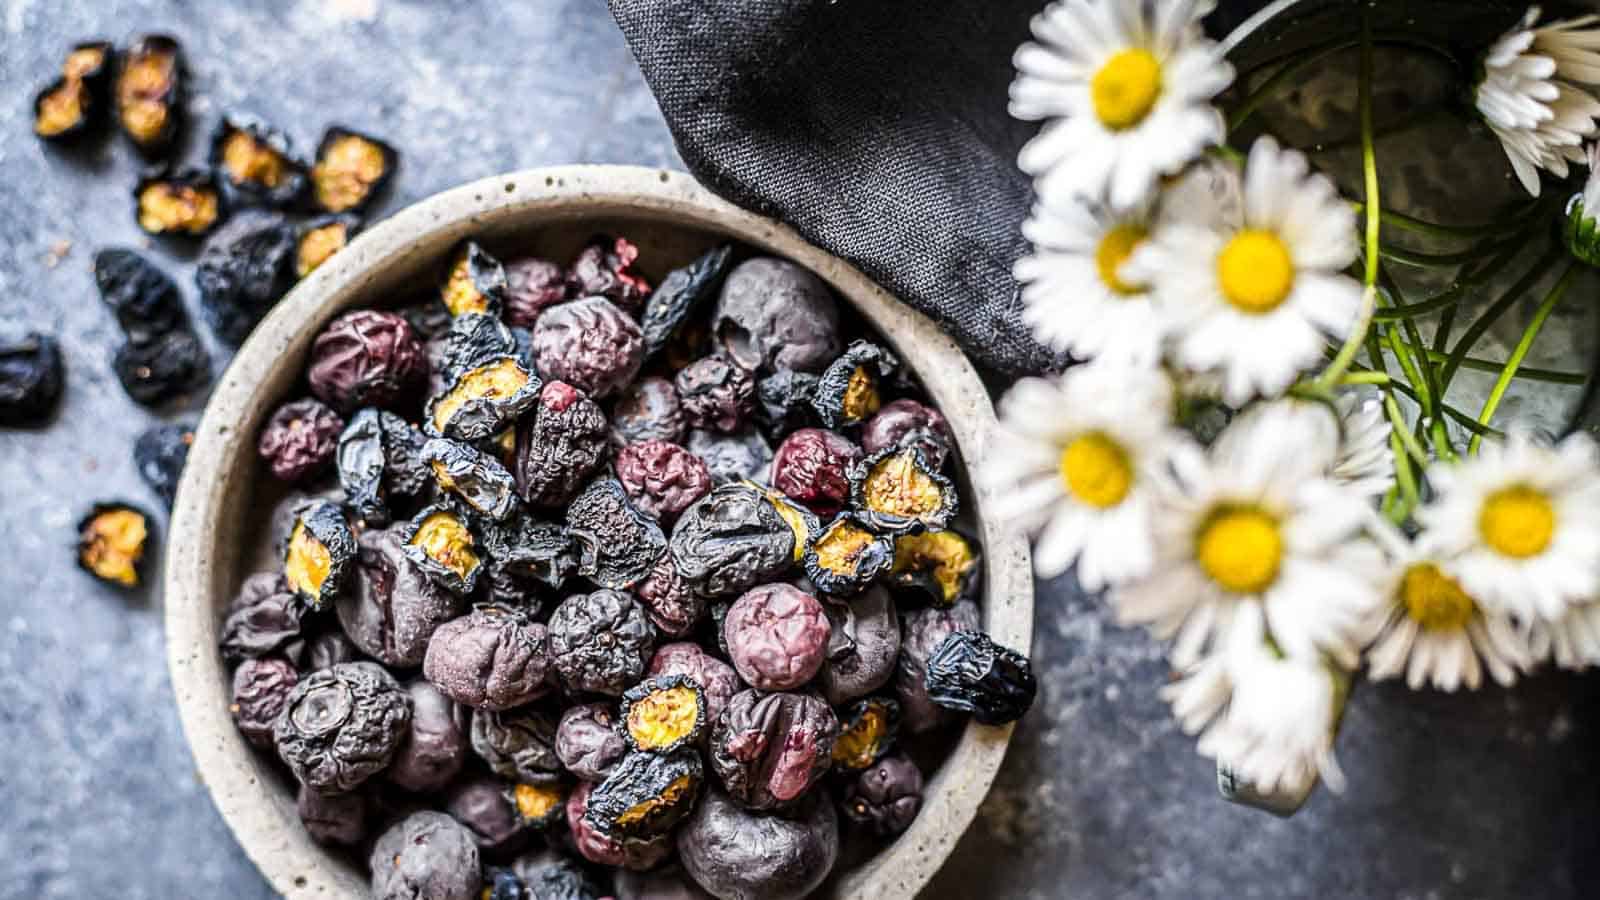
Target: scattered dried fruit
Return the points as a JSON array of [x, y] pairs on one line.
[[184, 202], [159, 454], [715, 394], [600, 643], [427, 854], [244, 270], [886, 797], [394, 608], [319, 239], [604, 268], [731, 540], [735, 853], [145, 301], [351, 169], [851, 389], [777, 636], [662, 478], [897, 491], [256, 162], [812, 466], [166, 368], [474, 282], [559, 446], [867, 733], [30, 377], [590, 740], [645, 795], [647, 410], [845, 556], [680, 295], [617, 544], [112, 540], [320, 551], [149, 93], [439, 540]]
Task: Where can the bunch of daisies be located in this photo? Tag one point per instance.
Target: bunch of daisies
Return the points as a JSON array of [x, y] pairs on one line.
[[1231, 463]]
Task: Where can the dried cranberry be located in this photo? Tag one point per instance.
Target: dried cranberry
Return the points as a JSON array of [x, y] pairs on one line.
[[300, 439], [906, 420], [662, 478], [604, 268], [647, 410], [673, 608], [777, 636], [366, 358], [717, 680], [812, 466], [769, 749], [559, 446], [590, 344], [716, 394], [532, 284]]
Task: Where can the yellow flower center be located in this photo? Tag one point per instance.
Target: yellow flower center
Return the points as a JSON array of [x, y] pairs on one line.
[[1114, 250], [1255, 271], [1126, 87], [1241, 548], [1096, 470], [1434, 600], [1517, 521]]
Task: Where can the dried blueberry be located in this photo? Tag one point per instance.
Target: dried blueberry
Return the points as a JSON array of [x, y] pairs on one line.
[[669, 883], [970, 673], [905, 421], [435, 743], [475, 478], [145, 301], [922, 631], [673, 607], [777, 636], [366, 358], [341, 725], [30, 377], [783, 401], [256, 162], [896, 491], [851, 389], [731, 540], [474, 282], [845, 556], [379, 458], [680, 295], [600, 643], [769, 749], [939, 567], [318, 557], [394, 608], [439, 540], [502, 884], [645, 795], [333, 818], [647, 410], [664, 713], [812, 466], [618, 544], [532, 286], [590, 741], [483, 401], [519, 744], [863, 642], [745, 456], [173, 364], [628, 853], [243, 270], [159, 453], [886, 797], [529, 548], [662, 478], [774, 315], [494, 658], [351, 169], [717, 680], [299, 440], [866, 734], [589, 344], [740, 855], [604, 268], [552, 876], [716, 395], [559, 446], [261, 688], [265, 617], [427, 854]]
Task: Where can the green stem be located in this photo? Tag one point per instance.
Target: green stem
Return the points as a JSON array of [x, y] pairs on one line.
[[1524, 344], [1369, 167], [1381, 379], [1462, 419], [1290, 71], [1527, 373], [1493, 313], [1440, 260], [1447, 232], [1398, 427], [1404, 479]]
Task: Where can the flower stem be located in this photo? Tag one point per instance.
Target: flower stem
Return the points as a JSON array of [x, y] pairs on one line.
[[1404, 478], [1402, 431], [1289, 72], [1381, 379], [1493, 313], [1524, 344], [1527, 373], [1249, 26], [1447, 232]]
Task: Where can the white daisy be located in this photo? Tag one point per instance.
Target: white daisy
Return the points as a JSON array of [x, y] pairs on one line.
[[1347, 441], [1521, 521], [1254, 292], [1254, 525], [1573, 640], [1581, 228], [1432, 630], [1365, 461], [1074, 461], [1125, 88], [1073, 296], [1532, 98]]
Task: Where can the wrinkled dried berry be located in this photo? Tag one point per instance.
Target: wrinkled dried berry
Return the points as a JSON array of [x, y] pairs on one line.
[[886, 797], [533, 549], [731, 540], [969, 672], [243, 271], [922, 631], [803, 522], [299, 440], [264, 618], [168, 367], [783, 401], [493, 658], [662, 478], [330, 648], [604, 268], [734, 853], [261, 688], [716, 395], [672, 606], [734, 457], [366, 358], [351, 169], [113, 540], [812, 466], [319, 555], [472, 340], [473, 282], [680, 295], [439, 540], [149, 93], [427, 854], [30, 377], [394, 607], [647, 410], [863, 643], [333, 818], [590, 740], [341, 725], [845, 556], [428, 318], [502, 884], [146, 302], [532, 286], [600, 643], [65, 110], [897, 491], [774, 315], [664, 713], [716, 679], [646, 794], [559, 445], [483, 401], [906, 422], [589, 344], [777, 636], [939, 567], [483, 805], [519, 744], [867, 733], [851, 389], [617, 544], [178, 202], [475, 478], [435, 743], [379, 458], [769, 749], [256, 162], [159, 454], [538, 805], [628, 853]]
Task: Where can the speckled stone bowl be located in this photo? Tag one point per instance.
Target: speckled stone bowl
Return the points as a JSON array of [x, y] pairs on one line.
[[217, 517]]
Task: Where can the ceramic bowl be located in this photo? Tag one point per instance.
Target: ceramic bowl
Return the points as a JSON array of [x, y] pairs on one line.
[[219, 515]]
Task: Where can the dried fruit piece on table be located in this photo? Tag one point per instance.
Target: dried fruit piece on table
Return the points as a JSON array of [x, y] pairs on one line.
[[664, 713], [897, 491], [905, 421], [475, 478], [300, 439], [519, 744], [646, 794], [427, 854], [256, 162], [483, 805], [590, 344], [939, 566], [922, 631], [261, 689], [866, 733], [783, 401], [265, 617], [600, 643], [768, 750], [90, 62], [167, 367], [662, 478], [604, 268], [146, 302], [598, 848], [539, 806], [394, 608], [732, 852], [647, 410], [316, 241], [850, 390], [341, 725], [745, 456], [559, 445], [64, 110], [472, 282], [672, 606], [863, 643], [351, 169], [159, 454], [617, 544], [320, 553], [435, 744], [803, 522], [333, 818], [590, 741], [886, 797], [716, 395], [439, 540], [731, 540], [812, 466], [112, 543], [680, 295], [30, 377], [969, 672], [483, 401], [244, 270], [471, 340], [533, 549], [184, 202], [773, 315], [366, 358], [494, 657], [379, 459], [716, 679], [777, 636], [532, 286], [149, 92], [845, 556]]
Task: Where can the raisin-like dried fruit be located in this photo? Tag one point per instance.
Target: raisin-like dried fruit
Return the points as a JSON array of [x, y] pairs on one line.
[[330, 648], [30, 377], [716, 394], [589, 344], [731, 540], [439, 540], [600, 643], [970, 673], [886, 797], [65, 110], [178, 202], [590, 740], [427, 854], [812, 466], [146, 302], [559, 446], [319, 555], [474, 282], [113, 543], [475, 478], [769, 749], [160, 453], [662, 478], [922, 631], [532, 286], [845, 556], [897, 491], [745, 456], [647, 410], [394, 608], [299, 440], [435, 744], [863, 643], [851, 389], [618, 544], [866, 734], [341, 725], [366, 358], [494, 658], [265, 617], [774, 315], [149, 93], [519, 744], [673, 607], [243, 270], [777, 636], [733, 852], [539, 805], [783, 401], [529, 548], [379, 459], [351, 169], [803, 522], [664, 713], [483, 401], [256, 162], [907, 422], [333, 818], [680, 295], [940, 567], [717, 680], [598, 848], [646, 794], [173, 364], [261, 688], [604, 268]]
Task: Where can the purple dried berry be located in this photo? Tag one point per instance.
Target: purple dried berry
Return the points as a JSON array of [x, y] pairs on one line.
[[717, 680], [366, 358], [435, 745], [532, 285], [626, 853], [600, 643], [333, 818], [492, 658], [604, 268], [299, 440], [427, 854], [716, 394], [774, 315], [886, 797], [265, 618], [863, 643], [812, 467], [922, 631], [769, 749], [647, 409], [261, 687], [590, 741], [559, 446], [590, 344], [777, 636], [662, 478], [906, 420]]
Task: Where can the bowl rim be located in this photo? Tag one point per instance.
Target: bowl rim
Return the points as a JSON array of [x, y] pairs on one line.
[[264, 825]]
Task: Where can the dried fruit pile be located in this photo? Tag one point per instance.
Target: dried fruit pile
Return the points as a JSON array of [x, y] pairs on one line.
[[545, 573]]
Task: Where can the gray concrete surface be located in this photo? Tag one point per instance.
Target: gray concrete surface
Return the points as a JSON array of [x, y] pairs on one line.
[[1492, 795]]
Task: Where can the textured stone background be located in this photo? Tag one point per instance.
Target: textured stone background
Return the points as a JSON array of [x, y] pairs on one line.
[[1484, 796]]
